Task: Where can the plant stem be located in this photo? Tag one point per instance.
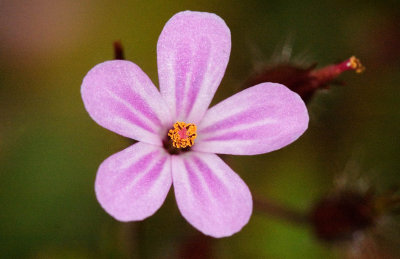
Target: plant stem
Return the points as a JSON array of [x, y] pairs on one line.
[[279, 211]]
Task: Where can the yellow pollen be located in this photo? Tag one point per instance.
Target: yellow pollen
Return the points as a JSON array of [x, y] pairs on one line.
[[183, 135], [355, 64]]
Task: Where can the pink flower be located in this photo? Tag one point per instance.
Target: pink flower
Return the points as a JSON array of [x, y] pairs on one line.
[[192, 54]]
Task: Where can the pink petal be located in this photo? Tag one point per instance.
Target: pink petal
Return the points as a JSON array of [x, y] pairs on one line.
[[257, 120], [133, 184], [193, 52], [210, 195], [121, 98]]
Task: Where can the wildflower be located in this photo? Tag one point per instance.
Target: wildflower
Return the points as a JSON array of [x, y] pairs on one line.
[[178, 135]]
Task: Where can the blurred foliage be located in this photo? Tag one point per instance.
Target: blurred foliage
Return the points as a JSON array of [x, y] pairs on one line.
[[50, 148]]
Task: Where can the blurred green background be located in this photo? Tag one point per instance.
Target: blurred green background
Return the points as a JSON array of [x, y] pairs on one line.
[[50, 148]]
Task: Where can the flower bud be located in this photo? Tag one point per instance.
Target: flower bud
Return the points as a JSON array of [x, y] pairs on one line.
[[304, 80]]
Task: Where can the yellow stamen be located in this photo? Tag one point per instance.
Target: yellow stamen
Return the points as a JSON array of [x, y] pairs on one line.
[[355, 64], [183, 135]]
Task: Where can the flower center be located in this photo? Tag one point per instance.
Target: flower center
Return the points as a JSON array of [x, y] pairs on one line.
[[183, 134]]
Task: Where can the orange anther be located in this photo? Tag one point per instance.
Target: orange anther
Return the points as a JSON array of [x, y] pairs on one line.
[[355, 64], [183, 135]]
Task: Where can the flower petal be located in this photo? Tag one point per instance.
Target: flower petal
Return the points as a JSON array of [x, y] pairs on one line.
[[257, 120], [192, 53], [120, 97], [133, 184], [210, 195]]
